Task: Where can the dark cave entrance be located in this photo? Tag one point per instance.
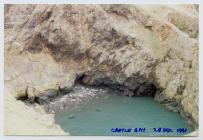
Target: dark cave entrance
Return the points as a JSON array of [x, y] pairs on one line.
[[143, 89]]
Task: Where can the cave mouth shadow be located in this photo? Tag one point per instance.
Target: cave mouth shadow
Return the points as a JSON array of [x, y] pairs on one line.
[[144, 89]]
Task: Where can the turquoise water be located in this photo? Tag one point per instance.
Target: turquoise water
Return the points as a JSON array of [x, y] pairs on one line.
[[98, 117]]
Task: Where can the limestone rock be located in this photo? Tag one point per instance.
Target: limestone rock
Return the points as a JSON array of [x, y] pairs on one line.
[[137, 48], [20, 119]]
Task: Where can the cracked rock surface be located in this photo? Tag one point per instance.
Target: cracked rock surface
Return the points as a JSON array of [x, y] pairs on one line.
[[134, 48]]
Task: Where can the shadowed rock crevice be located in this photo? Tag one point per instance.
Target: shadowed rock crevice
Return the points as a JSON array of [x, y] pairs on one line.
[[130, 87]]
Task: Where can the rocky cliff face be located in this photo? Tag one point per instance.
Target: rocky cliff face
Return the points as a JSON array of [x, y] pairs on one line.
[[139, 49]]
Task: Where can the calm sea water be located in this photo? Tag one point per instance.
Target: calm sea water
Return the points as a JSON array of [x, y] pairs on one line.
[[98, 117]]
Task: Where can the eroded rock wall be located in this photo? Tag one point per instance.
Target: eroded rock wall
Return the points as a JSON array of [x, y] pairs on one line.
[[137, 48]]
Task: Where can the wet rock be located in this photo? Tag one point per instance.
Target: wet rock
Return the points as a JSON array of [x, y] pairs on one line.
[[173, 106], [71, 117], [98, 110], [160, 97], [145, 90]]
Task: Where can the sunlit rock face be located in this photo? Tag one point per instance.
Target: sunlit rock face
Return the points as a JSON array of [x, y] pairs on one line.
[[139, 49]]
